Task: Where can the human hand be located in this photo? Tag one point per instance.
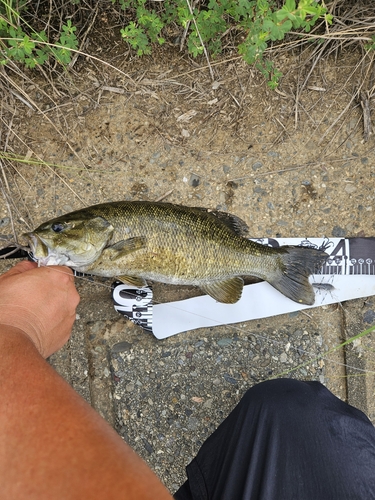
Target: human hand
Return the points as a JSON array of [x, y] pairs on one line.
[[41, 302]]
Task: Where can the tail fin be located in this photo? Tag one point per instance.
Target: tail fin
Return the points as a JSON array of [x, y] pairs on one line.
[[297, 263]]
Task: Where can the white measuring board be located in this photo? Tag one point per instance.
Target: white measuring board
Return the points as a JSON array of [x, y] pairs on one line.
[[349, 273]]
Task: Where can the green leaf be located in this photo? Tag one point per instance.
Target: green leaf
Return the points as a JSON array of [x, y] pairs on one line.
[[13, 33], [41, 55], [286, 27], [30, 62], [290, 5], [13, 43], [27, 45], [42, 36], [281, 14]]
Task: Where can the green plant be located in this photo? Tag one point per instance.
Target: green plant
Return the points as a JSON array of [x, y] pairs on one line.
[[258, 22], [261, 22], [20, 42], [146, 30], [271, 24]]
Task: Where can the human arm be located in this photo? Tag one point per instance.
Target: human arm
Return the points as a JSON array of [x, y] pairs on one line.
[[53, 445]]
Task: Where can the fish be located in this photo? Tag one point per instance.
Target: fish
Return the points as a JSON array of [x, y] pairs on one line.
[[137, 241]]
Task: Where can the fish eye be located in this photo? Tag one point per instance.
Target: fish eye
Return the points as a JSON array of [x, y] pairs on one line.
[[58, 227]]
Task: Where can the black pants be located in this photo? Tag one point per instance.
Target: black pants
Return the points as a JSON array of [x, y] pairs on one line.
[[286, 440]]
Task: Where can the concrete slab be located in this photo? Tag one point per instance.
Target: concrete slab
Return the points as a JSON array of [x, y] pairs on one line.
[[359, 315], [166, 397]]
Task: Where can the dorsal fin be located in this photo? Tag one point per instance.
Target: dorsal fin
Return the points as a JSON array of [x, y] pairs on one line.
[[233, 222]]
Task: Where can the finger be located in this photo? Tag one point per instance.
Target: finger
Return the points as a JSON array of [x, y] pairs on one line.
[[21, 267], [62, 270]]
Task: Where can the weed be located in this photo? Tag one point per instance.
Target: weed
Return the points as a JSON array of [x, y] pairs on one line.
[[31, 48], [260, 21]]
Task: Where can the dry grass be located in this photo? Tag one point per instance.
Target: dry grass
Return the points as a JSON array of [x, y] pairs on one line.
[[353, 28]]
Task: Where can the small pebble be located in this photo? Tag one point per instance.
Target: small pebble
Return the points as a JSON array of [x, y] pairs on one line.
[[224, 342], [257, 165], [121, 346], [193, 423], [230, 379], [4, 221], [369, 317], [338, 232], [283, 357], [194, 180]]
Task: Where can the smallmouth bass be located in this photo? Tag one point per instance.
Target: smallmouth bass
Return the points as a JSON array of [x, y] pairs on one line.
[[136, 241]]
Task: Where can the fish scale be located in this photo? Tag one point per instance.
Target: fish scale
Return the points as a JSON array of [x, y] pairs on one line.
[[137, 241], [187, 244]]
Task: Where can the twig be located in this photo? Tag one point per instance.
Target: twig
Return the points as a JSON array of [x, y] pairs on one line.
[[200, 39], [164, 195], [116, 90], [87, 31], [271, 172], [4, 176], [16, 94], [184, 35], [187, 27], [372, 80], [9, 131], [365, 104], [337, 119]]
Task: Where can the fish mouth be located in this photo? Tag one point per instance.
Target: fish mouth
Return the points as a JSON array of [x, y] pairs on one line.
[[40, 252], [38, 248]]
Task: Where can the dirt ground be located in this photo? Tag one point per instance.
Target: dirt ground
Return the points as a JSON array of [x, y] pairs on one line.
[[167, 131], [291, 162]]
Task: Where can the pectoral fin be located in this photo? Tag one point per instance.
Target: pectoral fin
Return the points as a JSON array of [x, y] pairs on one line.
[[124, 247], [133, 280], [227, 291]]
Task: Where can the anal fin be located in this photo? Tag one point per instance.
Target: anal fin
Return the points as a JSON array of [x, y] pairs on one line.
[[227, 291]]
